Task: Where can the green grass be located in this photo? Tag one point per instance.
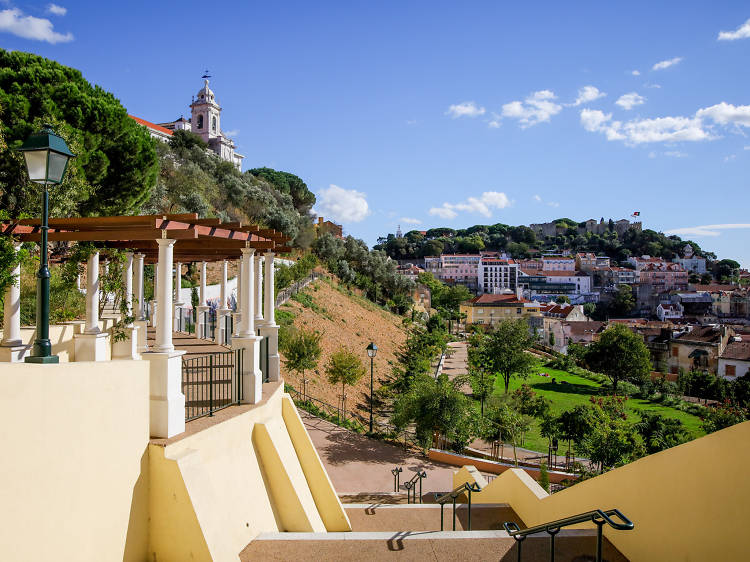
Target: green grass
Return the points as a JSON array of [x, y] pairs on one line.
[[577, 391]]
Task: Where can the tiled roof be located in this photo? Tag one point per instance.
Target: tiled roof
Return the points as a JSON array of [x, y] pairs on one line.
[[708, 334], [150, 125], [715, 287], [737, 350], [497, 299], [585, 328]]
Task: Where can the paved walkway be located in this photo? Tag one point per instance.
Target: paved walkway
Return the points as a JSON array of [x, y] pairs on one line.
[[457, 362], [359, 464]]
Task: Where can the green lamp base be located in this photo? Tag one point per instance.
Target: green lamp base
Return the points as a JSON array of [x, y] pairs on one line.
[[49, 360]]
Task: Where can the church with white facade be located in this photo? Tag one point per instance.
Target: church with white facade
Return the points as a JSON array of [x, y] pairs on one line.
[[205, 121]]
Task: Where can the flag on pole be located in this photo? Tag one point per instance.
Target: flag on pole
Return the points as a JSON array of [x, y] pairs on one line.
[[636, 213]]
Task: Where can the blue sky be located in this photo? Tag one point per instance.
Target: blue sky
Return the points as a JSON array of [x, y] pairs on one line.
[[433, 113]]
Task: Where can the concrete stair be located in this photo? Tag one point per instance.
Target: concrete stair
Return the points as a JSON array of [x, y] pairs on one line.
[[426, 517], [449, 546]]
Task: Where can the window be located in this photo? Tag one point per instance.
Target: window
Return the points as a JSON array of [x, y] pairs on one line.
[[200, 121], [730, 371], [213, 124], [675, 351], [518, 311]]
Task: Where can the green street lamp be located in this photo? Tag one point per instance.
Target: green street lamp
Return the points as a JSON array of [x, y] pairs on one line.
[[47, 158], [372, 350]]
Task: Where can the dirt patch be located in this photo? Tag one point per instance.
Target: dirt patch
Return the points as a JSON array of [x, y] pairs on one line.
[[348, 321]]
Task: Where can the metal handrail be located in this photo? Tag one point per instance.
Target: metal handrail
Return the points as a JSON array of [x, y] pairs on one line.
[[396, 475], [452, 495], [412, 485], [596, 516]]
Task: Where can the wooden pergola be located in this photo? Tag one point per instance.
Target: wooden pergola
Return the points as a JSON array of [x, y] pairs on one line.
[[197, 239]]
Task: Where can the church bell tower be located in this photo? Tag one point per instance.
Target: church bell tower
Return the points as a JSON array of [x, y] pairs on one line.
[[206, 114]]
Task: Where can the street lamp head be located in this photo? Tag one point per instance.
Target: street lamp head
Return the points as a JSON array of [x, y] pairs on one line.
[[47, 156], [372, 350]]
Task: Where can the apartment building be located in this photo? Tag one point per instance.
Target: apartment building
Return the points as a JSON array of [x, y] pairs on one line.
[[496, 274], [491, 309], [558, 263], [454, 269]]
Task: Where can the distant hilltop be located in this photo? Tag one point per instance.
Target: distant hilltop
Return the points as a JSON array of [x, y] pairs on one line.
[[561, 226]]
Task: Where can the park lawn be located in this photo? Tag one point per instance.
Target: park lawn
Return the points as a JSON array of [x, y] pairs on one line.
[[576, 390]]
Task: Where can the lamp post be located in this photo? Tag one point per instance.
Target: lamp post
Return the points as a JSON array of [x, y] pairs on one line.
[[47, 158], [372, 350]]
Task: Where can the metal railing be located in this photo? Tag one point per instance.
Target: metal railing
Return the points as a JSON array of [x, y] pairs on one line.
[[335, 412], [597, 516], [411, 486], [228, 329], [208, 330], [185, 321], [285, 294], [445, 497], [211, 382], [396, 475]]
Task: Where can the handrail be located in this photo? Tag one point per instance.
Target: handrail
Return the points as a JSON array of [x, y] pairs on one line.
[[596, 516], [452, 495], [396, 472], [412, 485]]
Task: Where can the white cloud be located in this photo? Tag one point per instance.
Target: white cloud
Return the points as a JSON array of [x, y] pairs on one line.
[[635, 72], [57, 10], [676, 154], [536, 108], [725, 113], [409, 220], [343, 205], [666, 63], [538, 199], [747, 148], [588, 94], [629, 101], [742, 32], [652, 154], [496, 121], [706, 230], [730, 157], [649, 85], [232, 133], [465, 109], [411, 121], [637, 131], [40, 29], [483, 205]]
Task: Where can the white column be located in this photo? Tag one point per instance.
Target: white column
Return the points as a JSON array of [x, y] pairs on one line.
[[92, 295], [258, 290], [252, 378], [138, 286], [78, 281], [91, 345], [222, 312], [238, 293], [127, 279], [247, 320], [155, 300], [201, 327], [164, 298], [270, 301], [269, 329], [12, 341]]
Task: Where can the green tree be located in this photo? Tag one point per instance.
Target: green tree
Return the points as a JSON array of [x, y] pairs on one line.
[[623, 302], [723, 416], [511, 426], [589, 308], [116, 165], [611, 440], [527, 402], [620, 354], [302, 351], [660, 433], [562, 299], [544, 476], [574, 424], [706, 279], [504, 351], [344, 368], [549, 427], [435, 406], [482, 385], [290, 184]]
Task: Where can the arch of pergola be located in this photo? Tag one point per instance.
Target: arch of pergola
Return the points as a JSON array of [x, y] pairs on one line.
[[167, 241]]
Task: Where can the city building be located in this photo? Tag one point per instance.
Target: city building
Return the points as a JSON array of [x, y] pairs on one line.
[[698, 348], [669, 311], [663, 276], [410, 271], [205, 121], [497, 274], [455, 269], [491, 309], [734, 362], [690, 262], [611, 276], [558, 263], [328, 227]]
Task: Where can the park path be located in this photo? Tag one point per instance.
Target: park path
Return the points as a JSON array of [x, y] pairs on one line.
[[457, 362], [358, 464]]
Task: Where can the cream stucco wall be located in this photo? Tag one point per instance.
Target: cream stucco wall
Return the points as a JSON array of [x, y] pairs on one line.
[[214, 491], [61, 336], [688, 503], [73, 470]]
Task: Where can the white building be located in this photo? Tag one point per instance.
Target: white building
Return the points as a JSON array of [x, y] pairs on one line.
[[497, 274], [205, 121], [669, 311], [690, 262], [558, 263]]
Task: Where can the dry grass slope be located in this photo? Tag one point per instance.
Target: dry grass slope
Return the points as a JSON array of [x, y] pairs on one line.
[[352, 322]]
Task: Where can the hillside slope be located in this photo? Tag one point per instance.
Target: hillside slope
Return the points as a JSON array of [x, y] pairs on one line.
[[347, 320]]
